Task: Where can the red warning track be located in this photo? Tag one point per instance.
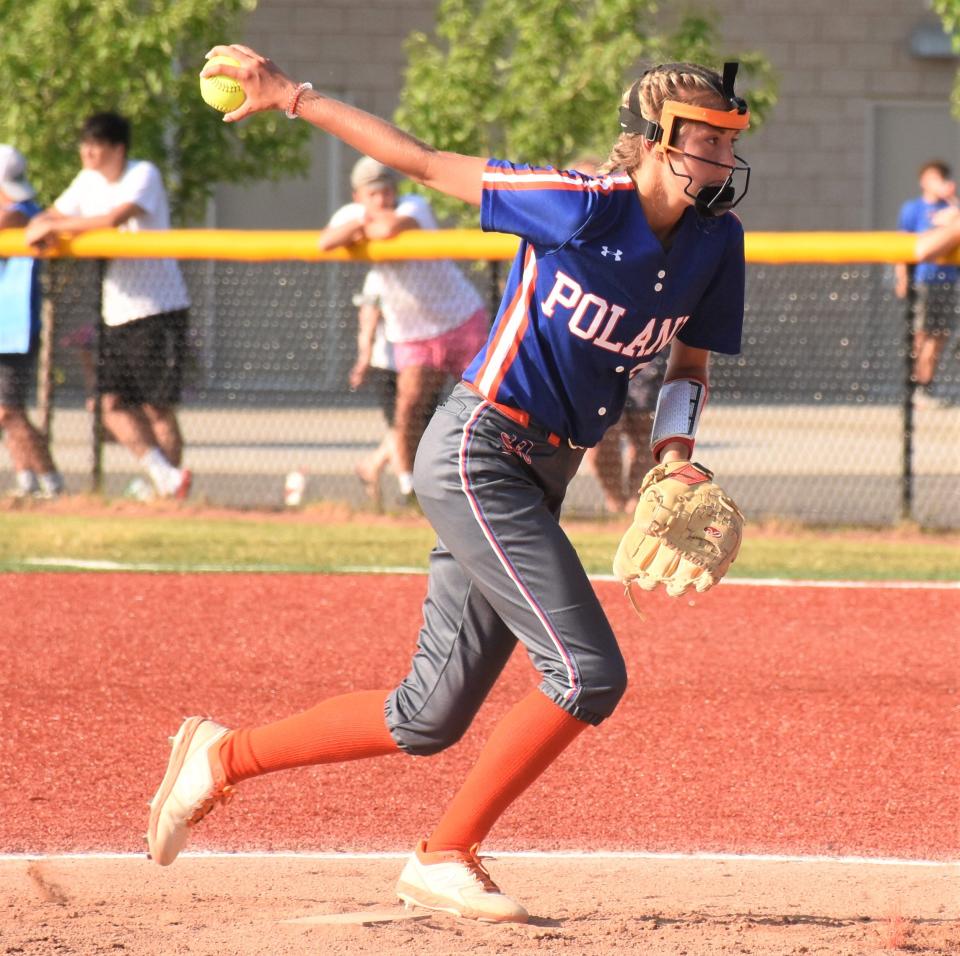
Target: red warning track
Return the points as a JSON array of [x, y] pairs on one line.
[[796, 721]]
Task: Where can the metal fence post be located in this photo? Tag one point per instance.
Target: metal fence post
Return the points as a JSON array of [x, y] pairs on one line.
[[96, 473], [495, 291], [45, 365], [909, 382]]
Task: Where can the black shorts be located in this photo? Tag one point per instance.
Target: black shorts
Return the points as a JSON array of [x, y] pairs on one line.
[[384, 383], [644, 387], [142, 361], [16, 375], [935, 307]]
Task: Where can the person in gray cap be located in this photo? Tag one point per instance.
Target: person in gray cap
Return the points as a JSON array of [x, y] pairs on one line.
[[374, 366], [426, 313], [36, 474]]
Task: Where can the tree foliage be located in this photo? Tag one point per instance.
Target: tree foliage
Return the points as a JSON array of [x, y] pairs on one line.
[[540, 81], [949, 12], [62, 60]]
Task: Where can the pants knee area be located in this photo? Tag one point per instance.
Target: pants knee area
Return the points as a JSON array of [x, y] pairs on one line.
[[621, 686], [618, 686], [617, 692], [422, 730], [602, 697], [424, 742]]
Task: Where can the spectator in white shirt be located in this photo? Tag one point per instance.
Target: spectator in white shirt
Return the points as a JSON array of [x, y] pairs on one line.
[[433, 317], [145, 301]]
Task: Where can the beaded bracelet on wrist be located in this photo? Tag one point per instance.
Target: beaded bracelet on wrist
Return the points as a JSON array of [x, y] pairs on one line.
[[291, 111]]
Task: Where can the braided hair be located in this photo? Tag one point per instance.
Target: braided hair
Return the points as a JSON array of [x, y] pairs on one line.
[[683, 82]]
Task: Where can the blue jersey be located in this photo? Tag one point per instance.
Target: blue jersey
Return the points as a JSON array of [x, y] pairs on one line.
[[592, 295], [916, 215]]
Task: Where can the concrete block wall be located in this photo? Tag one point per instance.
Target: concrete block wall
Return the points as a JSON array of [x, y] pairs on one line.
[[810, 160], [834, 61]]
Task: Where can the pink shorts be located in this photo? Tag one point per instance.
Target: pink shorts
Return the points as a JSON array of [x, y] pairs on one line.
[[450, 352]]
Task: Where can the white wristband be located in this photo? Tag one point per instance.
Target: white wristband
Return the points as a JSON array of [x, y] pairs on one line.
[[679, 405]]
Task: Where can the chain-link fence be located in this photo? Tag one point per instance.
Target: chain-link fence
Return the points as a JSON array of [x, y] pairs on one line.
[[813, 421]]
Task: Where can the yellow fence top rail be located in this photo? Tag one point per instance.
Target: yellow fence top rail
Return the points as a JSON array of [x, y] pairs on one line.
[[263, 246]]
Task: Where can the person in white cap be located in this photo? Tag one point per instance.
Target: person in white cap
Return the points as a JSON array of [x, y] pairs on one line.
[[36, 474], [431, 316]]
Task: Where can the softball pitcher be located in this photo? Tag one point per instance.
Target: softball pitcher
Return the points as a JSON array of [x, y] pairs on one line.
[[611, 270]]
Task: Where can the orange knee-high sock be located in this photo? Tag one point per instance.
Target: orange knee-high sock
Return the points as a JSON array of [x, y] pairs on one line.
[[347, 727], [531, 736]]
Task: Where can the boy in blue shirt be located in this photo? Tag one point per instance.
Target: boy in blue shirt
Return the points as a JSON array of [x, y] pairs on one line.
[[934, 304]]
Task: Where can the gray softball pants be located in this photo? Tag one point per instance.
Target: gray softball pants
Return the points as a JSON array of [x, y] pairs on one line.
[[502, 570]]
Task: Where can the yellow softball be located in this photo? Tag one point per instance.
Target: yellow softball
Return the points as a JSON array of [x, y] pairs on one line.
[[222, 92]]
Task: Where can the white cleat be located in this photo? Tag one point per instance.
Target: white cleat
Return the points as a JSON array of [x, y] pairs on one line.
[[192, 786], [453, 881]]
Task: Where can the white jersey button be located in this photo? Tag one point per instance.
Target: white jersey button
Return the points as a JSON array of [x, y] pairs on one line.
[[601, 411], [620, 368], [661, 274], [658, 287]]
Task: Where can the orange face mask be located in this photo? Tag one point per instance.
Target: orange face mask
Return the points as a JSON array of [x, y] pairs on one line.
[[708, 200], [722, 119]]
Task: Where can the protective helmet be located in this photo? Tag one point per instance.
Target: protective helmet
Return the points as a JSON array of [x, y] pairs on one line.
[[709, 200]]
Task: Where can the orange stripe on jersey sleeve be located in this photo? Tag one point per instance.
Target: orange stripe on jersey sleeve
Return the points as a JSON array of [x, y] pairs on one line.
[[498, 178]]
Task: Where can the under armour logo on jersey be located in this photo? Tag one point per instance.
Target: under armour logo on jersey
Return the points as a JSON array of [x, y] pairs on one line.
[[617, 255], [519, 447]]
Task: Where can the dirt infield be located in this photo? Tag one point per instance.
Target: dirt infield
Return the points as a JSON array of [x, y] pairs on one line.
[[805, 721], [251, 907]]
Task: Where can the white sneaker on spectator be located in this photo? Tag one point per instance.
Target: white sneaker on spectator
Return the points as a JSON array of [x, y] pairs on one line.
[[182, 491], [175, 484], [170, 481], [139, 489], [922, 399], [26, 486], [50, 485]]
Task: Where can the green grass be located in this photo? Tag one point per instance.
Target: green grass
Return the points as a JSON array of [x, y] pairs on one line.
[[255, 543], [821, 556], [217, 543]]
